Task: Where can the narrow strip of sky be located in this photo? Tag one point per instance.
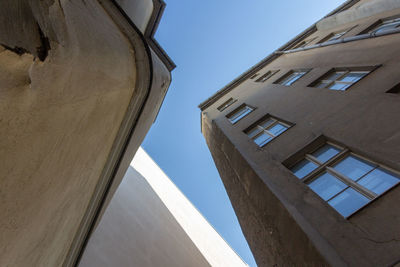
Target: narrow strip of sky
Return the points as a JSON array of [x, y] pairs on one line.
[[213, 42]]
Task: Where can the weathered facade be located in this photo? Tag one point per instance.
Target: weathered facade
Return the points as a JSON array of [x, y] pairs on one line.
[[149, 222], [81, 82], [333, 89]]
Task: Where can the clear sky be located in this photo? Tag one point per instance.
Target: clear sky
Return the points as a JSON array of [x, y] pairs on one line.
[[212, 42]]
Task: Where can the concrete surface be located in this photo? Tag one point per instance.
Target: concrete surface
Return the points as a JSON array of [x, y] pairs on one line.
[[284, 221], [59, 119], [149, 222]]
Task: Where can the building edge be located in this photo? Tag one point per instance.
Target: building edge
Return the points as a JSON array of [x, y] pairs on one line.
[[151, 62], [248, 73]]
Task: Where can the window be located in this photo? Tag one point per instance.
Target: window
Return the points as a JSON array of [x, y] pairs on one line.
[[303, 43], [266, 129], [292, 76], [266, 76], [239, 113], [386, 25], [335, 36], [346, 181], [226, 104], [340, 79], [395, 89]]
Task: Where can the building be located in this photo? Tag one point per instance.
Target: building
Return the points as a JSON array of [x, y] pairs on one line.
[[149, 222], [307, 143], [81, 82]]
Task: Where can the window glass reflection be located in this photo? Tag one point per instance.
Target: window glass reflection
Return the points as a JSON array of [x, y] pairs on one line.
[[379, 180], [349, 201], [353, 167], [303, 168], [326, 186]]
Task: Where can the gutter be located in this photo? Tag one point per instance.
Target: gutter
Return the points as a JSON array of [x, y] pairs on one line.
[[342, 40], [208, 102]]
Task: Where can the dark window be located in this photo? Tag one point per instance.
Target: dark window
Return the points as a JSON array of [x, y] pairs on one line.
[[226, 104], [303, 43], [333, 36], [266, 76]]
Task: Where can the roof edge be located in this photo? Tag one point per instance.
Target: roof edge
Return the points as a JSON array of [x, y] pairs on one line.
[[211, 100], [158, 10]]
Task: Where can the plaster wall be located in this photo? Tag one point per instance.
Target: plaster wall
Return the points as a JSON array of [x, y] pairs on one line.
[[149, 222], [59, 119], [138, 230], [364, 118], [361, 10]]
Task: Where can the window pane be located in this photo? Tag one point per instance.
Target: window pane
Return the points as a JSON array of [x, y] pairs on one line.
[[353, 167], [339, 86], [326, 186], [353, 76], [240, 114], [325, 153], [253, 132], [379, 180], [277, 129], [348, 202], [293, 77], [334, 75], [303, 168], [321, 84], [336, 36], [266, 123], [387, 26], [262, 139]]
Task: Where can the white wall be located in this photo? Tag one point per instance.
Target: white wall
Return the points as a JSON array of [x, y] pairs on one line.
[[213, 247]]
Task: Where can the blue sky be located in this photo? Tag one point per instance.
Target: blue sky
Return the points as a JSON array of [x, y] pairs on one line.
[[212, 42]]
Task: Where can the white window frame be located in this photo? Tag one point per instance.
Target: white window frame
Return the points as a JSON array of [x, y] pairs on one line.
[[265, 130], [333, 36], [286, 78], [384, 23], [336, 36], [328, 83], [238, 114], [328, 168]]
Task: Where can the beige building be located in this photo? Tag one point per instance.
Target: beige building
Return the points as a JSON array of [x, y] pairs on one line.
[[307, 142], [81, 82], [149, 222]]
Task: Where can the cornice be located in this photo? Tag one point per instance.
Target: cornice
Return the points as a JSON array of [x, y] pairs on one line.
[[158, 10], [244, 76]]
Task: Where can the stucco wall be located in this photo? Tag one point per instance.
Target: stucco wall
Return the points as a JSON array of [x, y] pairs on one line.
[[364, 118], [59, 118], [138, 230], [149, 222]]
